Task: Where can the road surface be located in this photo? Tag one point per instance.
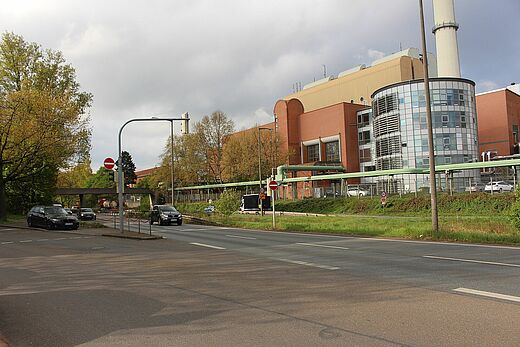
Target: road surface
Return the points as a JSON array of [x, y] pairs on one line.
[[224, 286]]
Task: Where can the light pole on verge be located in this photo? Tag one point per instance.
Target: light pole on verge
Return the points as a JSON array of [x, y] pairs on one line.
[[260, 169], [431, 149], [120, 183]]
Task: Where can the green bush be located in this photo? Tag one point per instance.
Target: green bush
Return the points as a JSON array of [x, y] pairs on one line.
[[228, 202], [514, 211], [144, 204]]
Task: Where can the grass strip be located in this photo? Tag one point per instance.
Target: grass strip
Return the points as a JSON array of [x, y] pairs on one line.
[[492, 230]]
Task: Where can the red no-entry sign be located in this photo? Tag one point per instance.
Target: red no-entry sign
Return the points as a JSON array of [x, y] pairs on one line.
[[109, 163], [273, 185]]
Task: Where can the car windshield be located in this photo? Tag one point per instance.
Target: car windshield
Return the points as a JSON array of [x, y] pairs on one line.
[[86, 210], [167, 209], [54, 210]]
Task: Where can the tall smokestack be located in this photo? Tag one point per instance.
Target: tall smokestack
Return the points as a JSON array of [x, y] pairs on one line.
[[445, 31]]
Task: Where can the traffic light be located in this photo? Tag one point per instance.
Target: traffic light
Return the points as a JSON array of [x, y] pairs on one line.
[[185, 125], [111, 175]]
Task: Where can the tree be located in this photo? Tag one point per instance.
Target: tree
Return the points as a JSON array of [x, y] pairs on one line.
[[75, 176], [43, 121], [240, 155], [197, 156], [128, 168], [210, 133]]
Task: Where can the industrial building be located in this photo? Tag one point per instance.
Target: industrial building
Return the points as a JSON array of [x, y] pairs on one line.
[[373, 117], [499, 122]]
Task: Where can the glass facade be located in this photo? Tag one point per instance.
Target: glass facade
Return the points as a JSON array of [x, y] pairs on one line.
[[400, 134]]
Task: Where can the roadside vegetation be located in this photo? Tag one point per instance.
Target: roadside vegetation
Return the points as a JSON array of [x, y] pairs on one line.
[[479, 218]]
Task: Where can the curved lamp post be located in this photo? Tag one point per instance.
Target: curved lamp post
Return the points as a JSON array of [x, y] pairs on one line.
[[120, 183]]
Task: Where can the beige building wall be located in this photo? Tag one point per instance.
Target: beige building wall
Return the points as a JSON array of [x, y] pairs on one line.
[[358, 86]]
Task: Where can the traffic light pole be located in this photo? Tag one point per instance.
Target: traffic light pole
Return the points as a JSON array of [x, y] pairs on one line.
[[120, 184]]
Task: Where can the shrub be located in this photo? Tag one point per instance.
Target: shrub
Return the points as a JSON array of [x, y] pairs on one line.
[[514, 211], [228, 202]]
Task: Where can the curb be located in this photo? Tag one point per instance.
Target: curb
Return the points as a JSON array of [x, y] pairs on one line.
[[133, 237]]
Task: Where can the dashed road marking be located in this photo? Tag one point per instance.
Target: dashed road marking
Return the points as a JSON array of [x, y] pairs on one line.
[[59, 239], [242, 237], [205, 245], [9, 229], [318, 245], [488, 294], [42, 240], [7, 242], [24, 241], [298, 262], [471, 261]]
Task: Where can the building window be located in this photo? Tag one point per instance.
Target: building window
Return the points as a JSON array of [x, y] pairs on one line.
[[363, 120], [364, 137], [365, 155], [313, 152], [515, 134], [332, 151]]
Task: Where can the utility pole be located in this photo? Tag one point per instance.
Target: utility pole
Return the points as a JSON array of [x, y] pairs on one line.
[[260, 175], [431, 148], [172, 161]]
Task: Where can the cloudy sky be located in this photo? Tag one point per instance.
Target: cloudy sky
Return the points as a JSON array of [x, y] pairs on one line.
[[163, 58]]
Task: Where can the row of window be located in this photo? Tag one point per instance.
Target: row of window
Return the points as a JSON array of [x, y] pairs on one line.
[[443, 159], [331, 152], [385, 104]]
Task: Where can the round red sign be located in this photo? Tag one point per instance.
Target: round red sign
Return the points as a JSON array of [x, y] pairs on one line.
[[109, 163], [273, 185]]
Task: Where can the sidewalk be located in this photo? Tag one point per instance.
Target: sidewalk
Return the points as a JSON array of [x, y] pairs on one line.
[[108, 232]]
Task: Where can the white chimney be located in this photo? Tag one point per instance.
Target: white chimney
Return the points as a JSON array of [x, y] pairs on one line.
[[445, 31]]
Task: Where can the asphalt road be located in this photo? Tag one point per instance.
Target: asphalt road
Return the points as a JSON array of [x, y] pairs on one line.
[[223, 286]]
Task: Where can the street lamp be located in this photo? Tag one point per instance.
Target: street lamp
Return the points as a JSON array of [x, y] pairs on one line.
[[431, 149], [260, 167], [120, 183]]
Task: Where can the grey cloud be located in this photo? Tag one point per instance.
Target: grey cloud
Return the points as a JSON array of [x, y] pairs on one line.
[[167, 57]]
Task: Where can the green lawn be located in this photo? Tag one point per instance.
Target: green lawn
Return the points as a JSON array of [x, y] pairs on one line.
[[467, 229]]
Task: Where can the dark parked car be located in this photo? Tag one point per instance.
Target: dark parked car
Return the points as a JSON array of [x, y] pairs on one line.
[[51, 217], [165, 214], [86, 214]]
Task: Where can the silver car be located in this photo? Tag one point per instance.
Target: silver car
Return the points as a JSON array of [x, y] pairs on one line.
[[476, 187], [357, 192], [499, 187]]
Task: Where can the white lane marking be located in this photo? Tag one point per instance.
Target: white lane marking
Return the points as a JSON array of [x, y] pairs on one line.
[[60, 238], [205, 245], [7, 242], [321, 266], [488, 294], [318, 245], [471, 261], [41, 240], [24, 241], [6, 229], [75, 238], [381, 239], [242, 237], [432, 243], [87, 237]]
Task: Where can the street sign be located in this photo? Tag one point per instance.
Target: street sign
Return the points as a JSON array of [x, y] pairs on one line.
[[262, 196], [262, 190], [109, 163], [383, 194], [273, 185]]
